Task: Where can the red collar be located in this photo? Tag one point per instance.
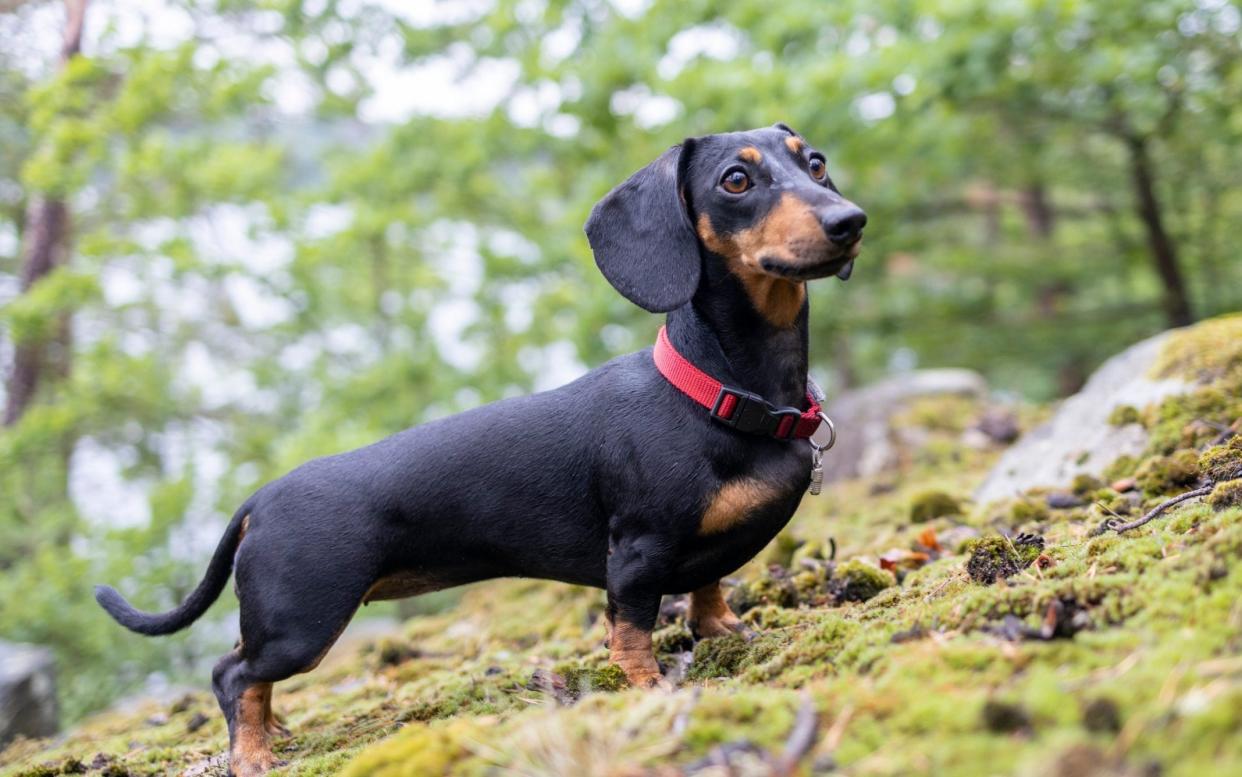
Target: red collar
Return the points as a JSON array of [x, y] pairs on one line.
[[742, 410]]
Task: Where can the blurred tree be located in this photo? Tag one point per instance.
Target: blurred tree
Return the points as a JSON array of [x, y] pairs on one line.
[[44, 238]]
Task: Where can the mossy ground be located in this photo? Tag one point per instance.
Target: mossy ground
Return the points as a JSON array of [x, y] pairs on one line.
[[1106, 654]]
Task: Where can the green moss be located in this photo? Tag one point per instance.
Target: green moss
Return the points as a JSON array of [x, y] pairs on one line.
[[946, 413], [608, 678], [929, 505], [1207, 351], [1028, 510], [903, 678], [856, 581], [719, 657], [769, 588], [782, 549], [817, 552], [675, 638], [1124, 414], [1086, 485], [1123, 467], [420, 750], [1222, 462], [1160, 475], [995, 557], [1192, 420], [1226, 495]]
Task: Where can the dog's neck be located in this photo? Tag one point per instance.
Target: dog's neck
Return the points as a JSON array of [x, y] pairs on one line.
[[722, 333]]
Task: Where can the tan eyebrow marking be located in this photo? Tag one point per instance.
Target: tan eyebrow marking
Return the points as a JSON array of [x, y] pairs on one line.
[[795, 144], [750, 154]]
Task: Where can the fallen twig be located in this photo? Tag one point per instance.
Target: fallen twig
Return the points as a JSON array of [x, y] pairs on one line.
[[801, 738], [1159, 509]]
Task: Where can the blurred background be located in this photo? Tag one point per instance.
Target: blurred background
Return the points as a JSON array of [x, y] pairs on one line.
[[237, 235]]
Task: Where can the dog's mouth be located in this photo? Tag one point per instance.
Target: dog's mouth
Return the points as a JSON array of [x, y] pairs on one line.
[[840, 265]]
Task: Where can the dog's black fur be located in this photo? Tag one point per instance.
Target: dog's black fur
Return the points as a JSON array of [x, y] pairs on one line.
[[603, 482]]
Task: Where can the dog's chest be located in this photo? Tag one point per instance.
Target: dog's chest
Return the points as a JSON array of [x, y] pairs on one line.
[[752, 500], [739, 500]]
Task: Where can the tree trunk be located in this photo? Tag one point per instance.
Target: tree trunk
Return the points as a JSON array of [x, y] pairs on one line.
[[1040, 216], [1163, 251], [44, 246]]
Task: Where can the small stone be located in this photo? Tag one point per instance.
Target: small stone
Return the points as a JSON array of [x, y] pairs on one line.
[[1000, 426], [195, 723], [1064, 501], [1124, 485]]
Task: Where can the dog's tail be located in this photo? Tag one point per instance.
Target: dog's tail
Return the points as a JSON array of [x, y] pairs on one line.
[[208, 590]]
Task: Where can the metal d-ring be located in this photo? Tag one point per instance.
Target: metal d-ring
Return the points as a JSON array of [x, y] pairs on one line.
[[832, 433]]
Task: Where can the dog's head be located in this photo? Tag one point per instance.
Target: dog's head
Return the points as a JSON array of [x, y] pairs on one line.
[[761, 202]]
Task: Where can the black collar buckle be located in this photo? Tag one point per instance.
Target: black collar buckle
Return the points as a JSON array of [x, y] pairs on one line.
[[752, 414]]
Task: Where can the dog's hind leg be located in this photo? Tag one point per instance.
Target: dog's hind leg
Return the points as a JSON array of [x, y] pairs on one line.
[[281, 637], [243, 702]]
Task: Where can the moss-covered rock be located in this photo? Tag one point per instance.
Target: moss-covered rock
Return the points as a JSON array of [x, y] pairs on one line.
[[1124, 414], [608, 678], [772, 587], [856, 581], [1160, 475], [1192, 420], [1209, 351], [929, 505], [1226, 495], [1086, 485], [1222, 462], [995, 557], [1029, 510], [1123, 467]]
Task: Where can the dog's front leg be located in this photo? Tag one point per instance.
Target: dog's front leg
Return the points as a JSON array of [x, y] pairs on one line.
[[633, 605]]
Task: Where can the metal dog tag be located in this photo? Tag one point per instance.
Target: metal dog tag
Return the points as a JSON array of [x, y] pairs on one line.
[[817, 472]]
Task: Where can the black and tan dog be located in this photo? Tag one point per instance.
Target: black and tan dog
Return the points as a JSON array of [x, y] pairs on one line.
[[617, 480]]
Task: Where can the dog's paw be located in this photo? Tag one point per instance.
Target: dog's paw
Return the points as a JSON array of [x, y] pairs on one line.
[[707, 628], [650, 681], [277, 729]]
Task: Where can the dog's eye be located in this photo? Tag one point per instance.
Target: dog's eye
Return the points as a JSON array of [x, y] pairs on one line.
[[818, 169], [735, 182]]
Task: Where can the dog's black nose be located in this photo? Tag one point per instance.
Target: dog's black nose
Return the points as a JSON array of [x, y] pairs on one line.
[[844, 225]]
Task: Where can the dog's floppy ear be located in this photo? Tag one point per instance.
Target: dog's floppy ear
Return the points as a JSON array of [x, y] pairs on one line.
[[641, 234]]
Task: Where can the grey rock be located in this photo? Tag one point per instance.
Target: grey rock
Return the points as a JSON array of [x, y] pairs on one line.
[[866, 442], [1079, 439], [27, 692]]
